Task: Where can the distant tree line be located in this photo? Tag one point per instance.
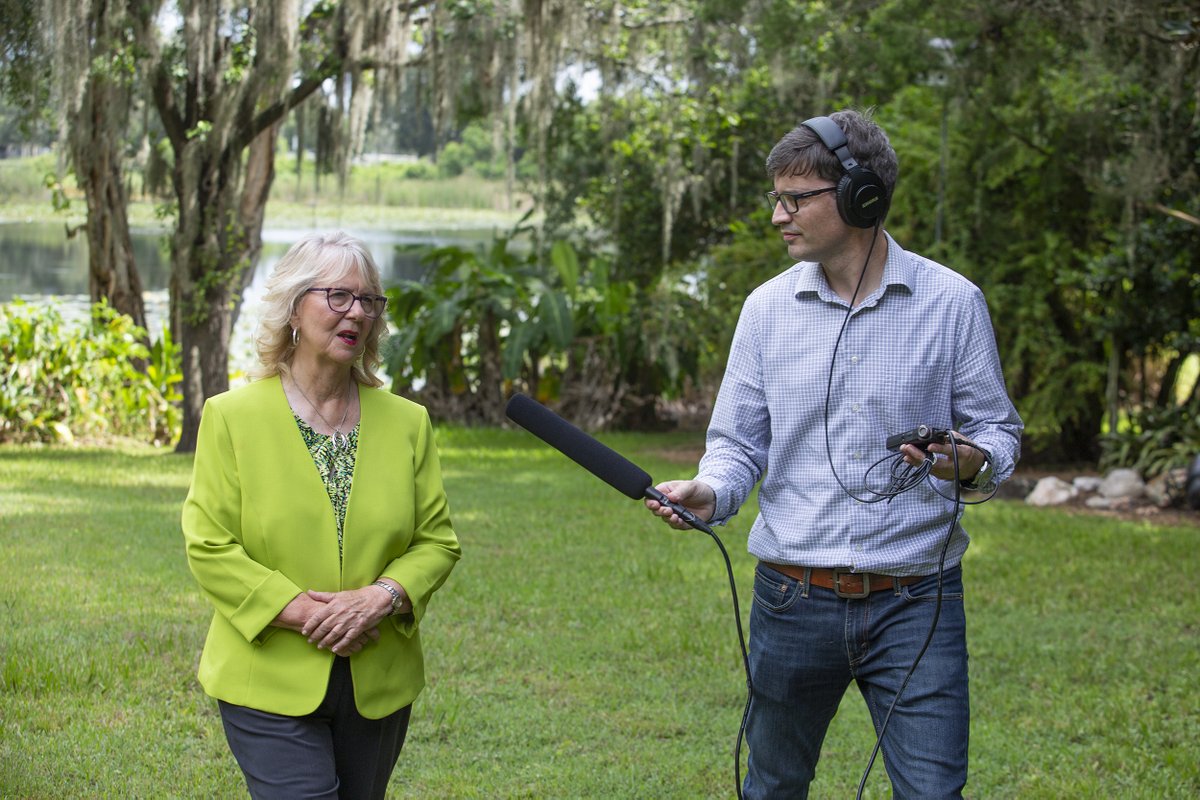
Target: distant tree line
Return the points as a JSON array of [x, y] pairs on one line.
[[1049, 151]]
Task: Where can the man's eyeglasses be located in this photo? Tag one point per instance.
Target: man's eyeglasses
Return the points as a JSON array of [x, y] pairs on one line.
[[340, 301], [791, 200]]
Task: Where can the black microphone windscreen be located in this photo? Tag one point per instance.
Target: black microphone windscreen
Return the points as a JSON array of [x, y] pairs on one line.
[[606, 464]]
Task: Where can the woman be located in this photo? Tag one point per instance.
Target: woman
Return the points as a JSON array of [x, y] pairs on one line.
[[318, 527]]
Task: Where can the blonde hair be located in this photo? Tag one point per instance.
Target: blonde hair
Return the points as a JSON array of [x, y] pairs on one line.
[[296, 273]]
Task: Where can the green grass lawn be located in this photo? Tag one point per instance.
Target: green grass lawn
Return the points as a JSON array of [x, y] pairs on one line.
[[580, 649]]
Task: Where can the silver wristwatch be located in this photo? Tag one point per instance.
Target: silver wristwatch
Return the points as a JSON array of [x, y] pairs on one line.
[[397, 600], [982, 478]]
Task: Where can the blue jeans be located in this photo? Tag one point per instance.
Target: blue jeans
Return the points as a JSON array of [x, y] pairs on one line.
[[807, 645]]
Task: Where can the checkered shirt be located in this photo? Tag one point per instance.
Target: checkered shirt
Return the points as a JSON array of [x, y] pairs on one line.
[[920, 349]]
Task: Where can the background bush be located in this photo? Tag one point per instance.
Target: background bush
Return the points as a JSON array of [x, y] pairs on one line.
[[26, 177], [62, 381], [1155, 441]]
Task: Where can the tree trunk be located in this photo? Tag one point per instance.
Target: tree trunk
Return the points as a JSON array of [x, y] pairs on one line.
[[204, 346], [213, 257], [1165, 397], [112, 271], [489, 394], [1112, 390], [534, 375], [95, 142]]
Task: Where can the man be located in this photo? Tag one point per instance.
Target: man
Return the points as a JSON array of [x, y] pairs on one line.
[[858, 341]]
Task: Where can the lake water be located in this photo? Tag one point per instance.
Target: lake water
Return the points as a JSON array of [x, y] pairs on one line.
[[39, 264]]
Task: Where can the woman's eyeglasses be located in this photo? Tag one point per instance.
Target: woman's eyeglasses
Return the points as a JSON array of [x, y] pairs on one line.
[[340, 300]]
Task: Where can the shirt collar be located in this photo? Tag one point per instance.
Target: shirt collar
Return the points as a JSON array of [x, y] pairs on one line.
[[897, 271]]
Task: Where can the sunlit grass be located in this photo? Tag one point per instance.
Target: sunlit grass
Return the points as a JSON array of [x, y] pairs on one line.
[[580, 649]]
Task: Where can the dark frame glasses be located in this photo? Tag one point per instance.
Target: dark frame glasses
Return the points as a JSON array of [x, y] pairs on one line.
[[341, 300], [791, 200]]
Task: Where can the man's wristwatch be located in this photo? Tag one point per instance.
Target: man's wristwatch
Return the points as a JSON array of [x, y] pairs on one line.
[[982, 478], [397, 600]]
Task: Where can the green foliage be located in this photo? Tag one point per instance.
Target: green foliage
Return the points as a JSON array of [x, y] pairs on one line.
[[555, 326], [24, 62], [420, 169], [453, 160], [1146, 285], [457, 324], [1058, 178], [624, 167], [664, 337], [25, 177], [731, 270], [1156, 440], [473, 152], [1048, 152], [62, 382], [1047, 155]]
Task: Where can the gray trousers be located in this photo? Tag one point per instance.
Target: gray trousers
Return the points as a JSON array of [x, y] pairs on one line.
[[334, 753]]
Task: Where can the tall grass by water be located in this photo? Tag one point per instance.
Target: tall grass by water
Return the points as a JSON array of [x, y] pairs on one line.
[[580, 649], [383, 194]]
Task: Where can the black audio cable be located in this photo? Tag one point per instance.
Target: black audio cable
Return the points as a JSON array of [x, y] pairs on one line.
[[904, 476]]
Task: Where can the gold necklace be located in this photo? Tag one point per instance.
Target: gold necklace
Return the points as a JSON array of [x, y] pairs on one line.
[[340, 440]]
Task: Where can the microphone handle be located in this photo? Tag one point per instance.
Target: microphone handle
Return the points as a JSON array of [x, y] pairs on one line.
[[683, 513]]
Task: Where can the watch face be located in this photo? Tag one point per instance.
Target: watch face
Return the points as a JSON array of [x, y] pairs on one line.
[[984, 475]]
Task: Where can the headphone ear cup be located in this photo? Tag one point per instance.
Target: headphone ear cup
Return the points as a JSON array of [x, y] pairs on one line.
[[862, 199]]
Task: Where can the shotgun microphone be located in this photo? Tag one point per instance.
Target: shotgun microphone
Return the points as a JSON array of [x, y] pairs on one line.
[[605, 463]]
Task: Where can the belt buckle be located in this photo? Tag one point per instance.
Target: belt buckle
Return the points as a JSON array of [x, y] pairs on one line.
[[837, 584]]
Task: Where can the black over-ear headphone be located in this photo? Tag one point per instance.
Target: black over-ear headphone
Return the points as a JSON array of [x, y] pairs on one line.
[[862, 199]]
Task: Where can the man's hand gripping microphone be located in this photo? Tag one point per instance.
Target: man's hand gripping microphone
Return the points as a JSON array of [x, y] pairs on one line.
[[680, 511]]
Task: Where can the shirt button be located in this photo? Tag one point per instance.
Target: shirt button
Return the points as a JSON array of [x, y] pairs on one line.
[[857, 456], [853, 359], [856, 408]]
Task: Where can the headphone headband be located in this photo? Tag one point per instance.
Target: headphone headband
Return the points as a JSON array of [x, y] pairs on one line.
[[834, 140]]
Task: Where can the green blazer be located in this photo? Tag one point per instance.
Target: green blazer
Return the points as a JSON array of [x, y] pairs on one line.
[[259, 529]]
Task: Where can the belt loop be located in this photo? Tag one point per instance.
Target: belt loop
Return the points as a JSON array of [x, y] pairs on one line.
[[896, 585], [807, 582]]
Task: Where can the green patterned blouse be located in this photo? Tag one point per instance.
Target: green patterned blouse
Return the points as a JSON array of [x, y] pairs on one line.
[[335, 466]]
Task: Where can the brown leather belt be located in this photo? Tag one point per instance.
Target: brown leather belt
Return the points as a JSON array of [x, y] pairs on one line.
[[852, 585]]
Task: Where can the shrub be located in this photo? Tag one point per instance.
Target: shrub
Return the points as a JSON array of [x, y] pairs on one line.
[[1157, 440], [453, 160], [25, 178], [419, 170], [61, 381]]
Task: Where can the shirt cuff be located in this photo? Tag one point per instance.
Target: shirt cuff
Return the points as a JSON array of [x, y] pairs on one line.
[[723, 509]]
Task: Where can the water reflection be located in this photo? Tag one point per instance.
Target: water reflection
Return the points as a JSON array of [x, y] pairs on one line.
[[37, 259], [40, 264]]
